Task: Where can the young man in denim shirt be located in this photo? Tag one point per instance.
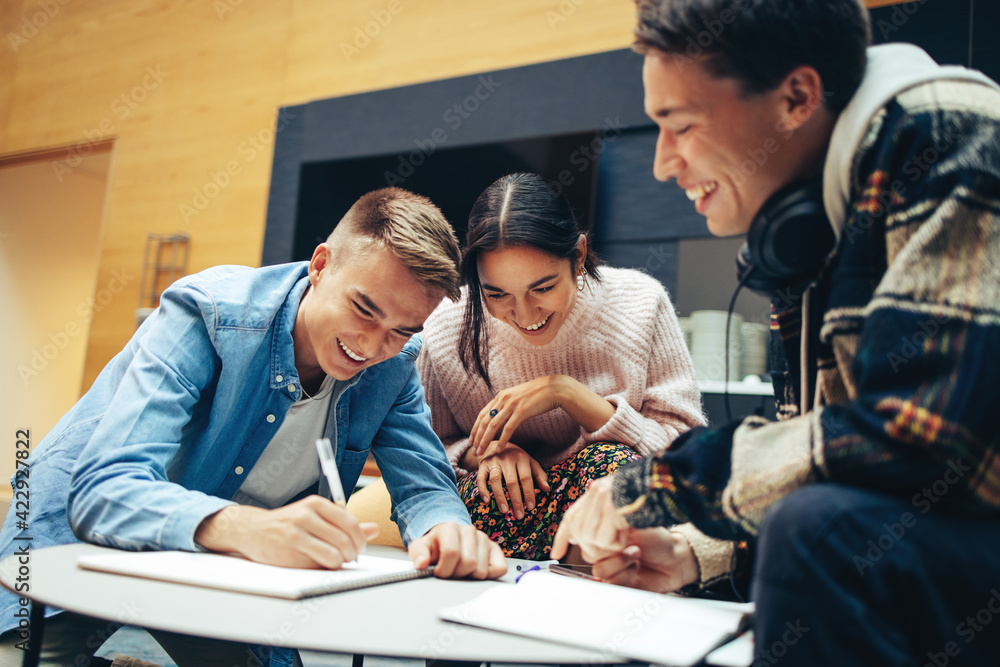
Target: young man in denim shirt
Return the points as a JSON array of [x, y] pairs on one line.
[[200, 434]]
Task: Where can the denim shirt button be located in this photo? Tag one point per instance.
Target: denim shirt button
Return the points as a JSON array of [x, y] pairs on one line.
[[279, 378], [239, 470], [291, 388], [270, 419]]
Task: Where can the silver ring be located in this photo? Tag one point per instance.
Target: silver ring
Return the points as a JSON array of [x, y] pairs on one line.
[[492, 468], [494, 412]]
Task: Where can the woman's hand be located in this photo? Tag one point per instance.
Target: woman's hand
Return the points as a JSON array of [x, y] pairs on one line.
[[499, 419], [519, 470]]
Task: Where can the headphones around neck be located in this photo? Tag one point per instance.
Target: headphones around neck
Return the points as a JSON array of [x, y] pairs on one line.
[[788, 241]]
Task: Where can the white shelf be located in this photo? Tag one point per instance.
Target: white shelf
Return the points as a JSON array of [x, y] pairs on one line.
[[737, 388]]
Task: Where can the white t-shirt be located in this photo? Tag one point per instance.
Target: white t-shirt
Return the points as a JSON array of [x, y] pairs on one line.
[[289, 464]]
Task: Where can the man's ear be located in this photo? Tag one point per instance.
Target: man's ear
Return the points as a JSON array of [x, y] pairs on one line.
[[802, 96], [320, 260]]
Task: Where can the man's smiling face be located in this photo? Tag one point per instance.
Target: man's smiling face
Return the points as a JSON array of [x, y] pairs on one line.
[[708, 129], [358, 311]]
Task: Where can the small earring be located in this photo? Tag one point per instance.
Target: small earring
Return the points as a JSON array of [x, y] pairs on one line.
[[580, 281]]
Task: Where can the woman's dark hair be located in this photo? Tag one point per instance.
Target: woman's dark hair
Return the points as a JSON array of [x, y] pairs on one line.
[[758, 42], [517, 210]]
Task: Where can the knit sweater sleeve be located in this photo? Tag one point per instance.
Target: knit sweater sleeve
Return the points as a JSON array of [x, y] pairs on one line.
[[670, 403], [911, 319], [456, 443]]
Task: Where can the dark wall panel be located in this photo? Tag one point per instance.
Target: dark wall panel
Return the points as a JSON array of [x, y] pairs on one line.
[[634, 206], [597, 93], [403, 127], [985, 43], [279, 228], [940, 27], [657, 258]]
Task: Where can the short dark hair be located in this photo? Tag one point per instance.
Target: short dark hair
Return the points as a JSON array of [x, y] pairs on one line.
[[408, 225], [758, 42], [517, 210]]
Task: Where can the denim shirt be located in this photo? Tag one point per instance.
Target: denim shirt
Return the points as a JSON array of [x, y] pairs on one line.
[[173, 424]]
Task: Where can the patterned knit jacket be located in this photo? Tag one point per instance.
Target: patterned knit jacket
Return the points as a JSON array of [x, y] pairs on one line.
[[906, 326]]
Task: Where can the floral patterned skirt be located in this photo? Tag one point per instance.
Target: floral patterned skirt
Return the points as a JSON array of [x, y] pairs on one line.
[[532, 536]]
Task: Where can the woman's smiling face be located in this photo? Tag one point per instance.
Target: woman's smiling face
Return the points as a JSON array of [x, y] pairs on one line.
[[529, 289]]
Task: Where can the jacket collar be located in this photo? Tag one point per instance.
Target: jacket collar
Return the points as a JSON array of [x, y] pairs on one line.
[[891, 70]]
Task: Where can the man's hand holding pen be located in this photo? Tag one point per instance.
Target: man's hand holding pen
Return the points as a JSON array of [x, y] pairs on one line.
[[310, 533], [314, 532]]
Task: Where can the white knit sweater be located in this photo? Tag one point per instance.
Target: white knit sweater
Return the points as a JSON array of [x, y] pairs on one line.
[[622, 340]]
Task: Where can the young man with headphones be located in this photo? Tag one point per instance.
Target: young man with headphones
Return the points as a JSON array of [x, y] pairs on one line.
[[868, 183]]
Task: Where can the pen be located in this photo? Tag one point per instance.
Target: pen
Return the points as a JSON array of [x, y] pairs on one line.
[[568, 571], [328, 463]]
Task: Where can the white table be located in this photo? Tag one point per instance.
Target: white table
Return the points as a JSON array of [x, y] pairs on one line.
[[395, 620]]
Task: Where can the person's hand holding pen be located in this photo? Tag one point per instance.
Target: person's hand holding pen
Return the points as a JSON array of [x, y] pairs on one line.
[[655, 559], [592, 523], [314, 532]]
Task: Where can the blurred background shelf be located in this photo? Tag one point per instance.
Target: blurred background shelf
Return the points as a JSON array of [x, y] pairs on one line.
[[745, 399], [751, 388]]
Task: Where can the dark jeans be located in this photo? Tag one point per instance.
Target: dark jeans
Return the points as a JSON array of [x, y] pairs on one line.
[[850, 577]]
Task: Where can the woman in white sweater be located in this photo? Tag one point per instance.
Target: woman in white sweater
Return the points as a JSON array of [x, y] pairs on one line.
[[548, 373]]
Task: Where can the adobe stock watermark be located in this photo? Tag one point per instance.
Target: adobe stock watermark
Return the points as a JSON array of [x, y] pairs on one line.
[[923, 501], [433, 648], [967, 629], [121, 108], [129, 614], [30, 25], [220, 179], [759, 156], [887, 198], [223, 8], [566, 9], [901, 13], [657, 259], [911, 346], [586, 154], [454, 117], [714, 27], [59, 340], [363, 35], [770, 655], [302, 611], [633, 622]]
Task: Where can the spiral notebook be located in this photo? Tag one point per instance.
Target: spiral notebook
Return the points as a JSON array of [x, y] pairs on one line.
[[233, 573]]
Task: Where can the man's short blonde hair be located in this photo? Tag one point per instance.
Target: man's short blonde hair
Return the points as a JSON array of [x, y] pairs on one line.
[[408, 225]]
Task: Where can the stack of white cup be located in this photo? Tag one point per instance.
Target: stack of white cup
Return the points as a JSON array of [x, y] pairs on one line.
[[685, 323], [708, 345], [755, 336]]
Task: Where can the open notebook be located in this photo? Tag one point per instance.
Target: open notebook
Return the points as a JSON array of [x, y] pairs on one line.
[[616, 621], [237, 574]]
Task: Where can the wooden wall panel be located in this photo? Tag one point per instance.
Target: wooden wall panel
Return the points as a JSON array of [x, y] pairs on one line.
[[187, 88], [425, 41]]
